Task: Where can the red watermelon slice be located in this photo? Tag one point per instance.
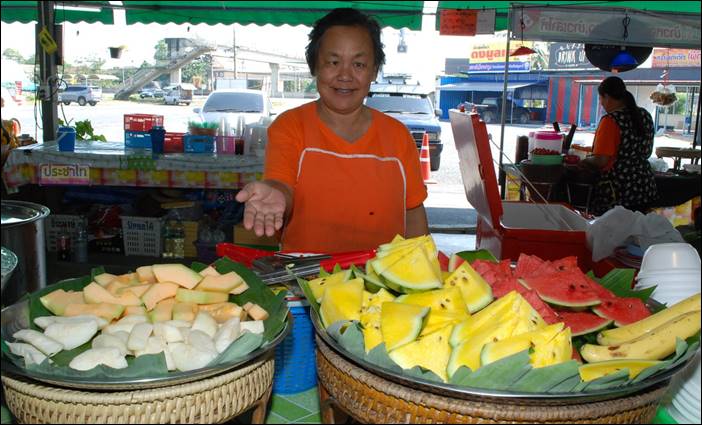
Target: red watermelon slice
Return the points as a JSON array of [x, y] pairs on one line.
[[443, 262], [583, 322], [491, 271], [623, 311], [455, 261], [566, 264], [564, 289], [529, 265], [505, 286], [602, 292]]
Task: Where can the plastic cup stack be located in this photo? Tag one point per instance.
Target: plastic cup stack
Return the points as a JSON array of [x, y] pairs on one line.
[[674, 268]]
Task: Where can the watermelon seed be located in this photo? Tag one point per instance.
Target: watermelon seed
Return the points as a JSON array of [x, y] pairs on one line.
[[463, 278], [613, 348], [571, 287], [495, 339], [443, 306]]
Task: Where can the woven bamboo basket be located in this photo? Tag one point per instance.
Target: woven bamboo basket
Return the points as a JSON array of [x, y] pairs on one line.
[[211, 400], [369, 398]]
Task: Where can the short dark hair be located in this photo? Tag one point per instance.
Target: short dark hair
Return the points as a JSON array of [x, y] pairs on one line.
[[344, 17]]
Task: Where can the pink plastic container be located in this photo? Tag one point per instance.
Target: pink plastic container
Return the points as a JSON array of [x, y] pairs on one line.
[[549, 140]]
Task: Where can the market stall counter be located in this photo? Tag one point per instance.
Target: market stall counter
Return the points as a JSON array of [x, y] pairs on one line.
[[95, 163]]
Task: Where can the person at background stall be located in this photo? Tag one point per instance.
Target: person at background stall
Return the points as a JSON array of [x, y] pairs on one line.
[[623, 143], [338, 176]]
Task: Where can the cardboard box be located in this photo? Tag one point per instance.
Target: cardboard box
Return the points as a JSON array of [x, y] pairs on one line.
[[248, 237]]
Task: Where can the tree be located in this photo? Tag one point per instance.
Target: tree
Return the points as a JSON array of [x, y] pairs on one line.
[[13, 54], [199, 67], [161, 51]]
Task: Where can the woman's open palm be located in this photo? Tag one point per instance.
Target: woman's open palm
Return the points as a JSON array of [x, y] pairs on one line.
[[264, 207]]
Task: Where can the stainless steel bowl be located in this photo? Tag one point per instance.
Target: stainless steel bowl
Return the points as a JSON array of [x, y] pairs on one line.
[[9, 263]]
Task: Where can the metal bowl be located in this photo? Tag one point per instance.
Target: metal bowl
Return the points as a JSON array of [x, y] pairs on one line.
[[9, 263]]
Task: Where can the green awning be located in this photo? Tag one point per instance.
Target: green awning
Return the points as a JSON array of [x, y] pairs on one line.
[[395, 14], [501, 7], [26, 11]]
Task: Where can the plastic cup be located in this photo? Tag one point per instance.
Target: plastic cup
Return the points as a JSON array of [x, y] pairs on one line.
[[158, 138], [666, 257], [66, 137]]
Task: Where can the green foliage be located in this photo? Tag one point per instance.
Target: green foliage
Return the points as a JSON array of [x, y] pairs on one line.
[[84, 130], [13, 54]]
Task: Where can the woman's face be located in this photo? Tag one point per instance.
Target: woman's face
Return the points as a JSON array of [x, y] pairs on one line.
[[345, 68]]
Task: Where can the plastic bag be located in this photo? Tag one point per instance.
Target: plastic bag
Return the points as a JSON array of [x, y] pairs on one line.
[[620, 226], [658, 165]]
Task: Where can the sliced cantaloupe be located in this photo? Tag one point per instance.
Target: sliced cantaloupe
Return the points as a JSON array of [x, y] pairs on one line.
[[104, 278], [163, 311], [128, 278], [145, 274], [209, 271], [200, 297], [115, 287], [224, 311], [158, 292], [222, 283], [239, 289], [185, 311], [256, 311], [134, 310], [57, 300], [95, 294], [176, 273], [137, 290], [107, 311]]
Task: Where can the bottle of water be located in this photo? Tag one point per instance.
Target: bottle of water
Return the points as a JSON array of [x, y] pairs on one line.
[[80, 246]]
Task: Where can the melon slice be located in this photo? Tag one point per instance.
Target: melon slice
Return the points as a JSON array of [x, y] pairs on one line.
[[221, 283], [256, 311], [137, 290], [145, 274], [318, 285], [185, 311], [163, 311], [342, 301], [222, 312], [441, 300], [209, 271], [535, 340], [583, 322], [177, 273], [115, 287], [563, 289], [558, 350], [370, 317], [591, 371], [467, 353], [128, 278], [623, 311], [57, 301], [133, 310], [476, 292], [414, 271], [430, 352], [95, 294], [104, 278], [439, 319], [454, 261], [400, 323], [107, 311], [239, 289], [200, 297]]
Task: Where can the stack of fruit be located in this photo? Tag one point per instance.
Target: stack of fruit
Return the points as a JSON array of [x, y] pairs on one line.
[[445, 314]]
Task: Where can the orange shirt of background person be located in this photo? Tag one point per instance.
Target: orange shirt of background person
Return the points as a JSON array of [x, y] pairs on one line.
[[332, 210], [607, 140]]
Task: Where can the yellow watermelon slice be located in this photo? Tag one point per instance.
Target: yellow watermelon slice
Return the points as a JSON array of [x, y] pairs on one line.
[[342, 301], [591, 371], [476, 292], [431, 352], [400, 323]]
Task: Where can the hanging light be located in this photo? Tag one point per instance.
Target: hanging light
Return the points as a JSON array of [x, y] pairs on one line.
[[522, 50], [624, 61]]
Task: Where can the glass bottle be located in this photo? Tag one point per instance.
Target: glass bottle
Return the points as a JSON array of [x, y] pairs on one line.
[[80, 246]]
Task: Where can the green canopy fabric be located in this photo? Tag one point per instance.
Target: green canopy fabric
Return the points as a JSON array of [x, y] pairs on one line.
[[395, 14], [26, 11], [501, 7]]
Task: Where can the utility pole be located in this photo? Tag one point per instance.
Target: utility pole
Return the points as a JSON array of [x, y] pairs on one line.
[[234, 49], [47, 70]]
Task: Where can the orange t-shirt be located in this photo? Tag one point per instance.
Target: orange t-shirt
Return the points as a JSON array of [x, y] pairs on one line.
[[347, 196], [607, 139]]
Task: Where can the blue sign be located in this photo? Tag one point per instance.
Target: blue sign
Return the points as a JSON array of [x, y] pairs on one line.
[[498, 67]]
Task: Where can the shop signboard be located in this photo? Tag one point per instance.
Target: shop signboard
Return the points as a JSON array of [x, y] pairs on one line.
[[490, 57], [466, 22], [606, 26], [675, 58], [568, 56], [64, 174]]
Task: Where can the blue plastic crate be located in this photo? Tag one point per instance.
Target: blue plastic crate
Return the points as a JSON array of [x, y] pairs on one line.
[[137, 139], [295, 360], [198, 144]]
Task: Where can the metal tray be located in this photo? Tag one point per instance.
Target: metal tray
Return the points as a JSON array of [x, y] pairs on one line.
[[472, 393], [16, 317]]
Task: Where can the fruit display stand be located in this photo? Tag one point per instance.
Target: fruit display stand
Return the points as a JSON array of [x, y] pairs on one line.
[[507, 229], [96, 163]]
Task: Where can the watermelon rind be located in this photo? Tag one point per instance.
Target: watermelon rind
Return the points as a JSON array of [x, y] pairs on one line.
[[550, 294]]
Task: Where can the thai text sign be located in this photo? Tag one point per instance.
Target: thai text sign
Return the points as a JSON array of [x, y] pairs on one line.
[[74, 174], [466, 22], [606, 26], [490, 57], [675, 58]]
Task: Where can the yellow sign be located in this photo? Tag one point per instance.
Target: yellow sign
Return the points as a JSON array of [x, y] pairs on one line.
[[47, 41], [674, 58], [494, 51]]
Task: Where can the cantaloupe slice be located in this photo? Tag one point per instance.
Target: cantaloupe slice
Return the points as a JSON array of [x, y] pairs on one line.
[[134, 310], [107, 311], [200, 297], [185, 311], [239, 289], [137, 290], [158, 292], [176, 273], [115, 287], [163, 311], [128, 278], [223, 311], [209, 271], [256, 311], [95, 294], [105, 278], [56, 301], [146, 274], [221, 283]]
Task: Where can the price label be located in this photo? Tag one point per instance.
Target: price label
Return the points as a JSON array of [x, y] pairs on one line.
[[458, 22]]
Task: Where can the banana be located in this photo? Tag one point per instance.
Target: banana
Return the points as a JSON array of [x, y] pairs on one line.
[[620, 335], [654, 345]]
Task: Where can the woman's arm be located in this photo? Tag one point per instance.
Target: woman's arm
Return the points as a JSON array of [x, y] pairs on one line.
[[595, 162], [416, 222]]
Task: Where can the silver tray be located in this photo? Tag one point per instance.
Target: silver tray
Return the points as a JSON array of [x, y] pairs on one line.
[[473, 393], [16, 317], [9, 263]]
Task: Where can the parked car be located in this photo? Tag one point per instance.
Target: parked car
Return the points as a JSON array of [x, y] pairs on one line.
[[81, 94], [412, 106], [253, 105], [153, 92], [182, 93], [490, 110]]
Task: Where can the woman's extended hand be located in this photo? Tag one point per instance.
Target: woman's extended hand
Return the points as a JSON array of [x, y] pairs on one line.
[[265, 207]]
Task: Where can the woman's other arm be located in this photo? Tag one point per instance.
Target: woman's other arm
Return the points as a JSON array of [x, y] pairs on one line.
[[416, 222]]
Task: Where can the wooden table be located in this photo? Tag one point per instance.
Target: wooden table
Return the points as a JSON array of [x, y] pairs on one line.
[[678, 154]]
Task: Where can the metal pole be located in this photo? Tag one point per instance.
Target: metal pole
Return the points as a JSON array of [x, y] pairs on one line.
[[696, 138], [502, 176], [47, 71]]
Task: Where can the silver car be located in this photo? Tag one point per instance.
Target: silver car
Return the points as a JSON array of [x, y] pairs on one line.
[[253, 105], [81, 95]]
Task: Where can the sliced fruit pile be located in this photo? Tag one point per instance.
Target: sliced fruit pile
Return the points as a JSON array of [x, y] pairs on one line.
[[166, 308]]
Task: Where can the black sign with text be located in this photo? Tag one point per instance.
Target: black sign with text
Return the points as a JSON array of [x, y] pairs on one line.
[[567, 56]]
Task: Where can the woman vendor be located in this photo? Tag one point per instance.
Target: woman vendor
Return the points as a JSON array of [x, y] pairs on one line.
[[623, 143], [339, 175]]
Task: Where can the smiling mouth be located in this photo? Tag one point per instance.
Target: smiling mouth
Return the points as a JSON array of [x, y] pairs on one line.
[[344, 91]]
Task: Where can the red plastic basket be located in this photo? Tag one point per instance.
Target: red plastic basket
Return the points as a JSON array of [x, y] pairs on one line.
[[173, 143], [141, 122]]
